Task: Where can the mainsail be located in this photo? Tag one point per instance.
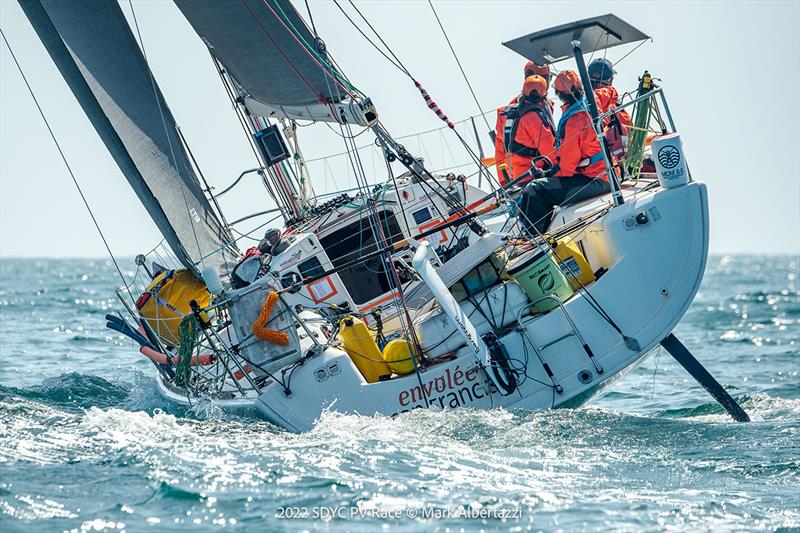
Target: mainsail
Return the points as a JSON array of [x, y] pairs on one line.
[[278, 65], [95, 50]]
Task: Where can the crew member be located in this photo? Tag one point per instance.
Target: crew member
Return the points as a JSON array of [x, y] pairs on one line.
[[500, 155], [601, 75], [579, 173], [529, 130]]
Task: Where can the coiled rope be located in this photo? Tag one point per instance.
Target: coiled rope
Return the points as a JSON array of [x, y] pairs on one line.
[[260, 328], [188, 332]]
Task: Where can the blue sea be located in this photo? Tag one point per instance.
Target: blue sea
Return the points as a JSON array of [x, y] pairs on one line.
[[86, 443]]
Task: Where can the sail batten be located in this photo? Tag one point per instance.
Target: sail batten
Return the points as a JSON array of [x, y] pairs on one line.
[[94, 49]]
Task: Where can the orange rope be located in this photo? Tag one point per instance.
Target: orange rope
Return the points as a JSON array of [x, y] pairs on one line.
[[260, 328]]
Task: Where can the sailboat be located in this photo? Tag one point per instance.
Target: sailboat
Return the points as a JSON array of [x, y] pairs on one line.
[[423, 291]]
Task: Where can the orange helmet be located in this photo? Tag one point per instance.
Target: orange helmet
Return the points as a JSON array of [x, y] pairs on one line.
[[566, 81], [532, 69], [534, 84]]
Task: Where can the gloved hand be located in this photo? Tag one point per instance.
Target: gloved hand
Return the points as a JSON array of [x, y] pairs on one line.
[[537, 172], [552, 171]]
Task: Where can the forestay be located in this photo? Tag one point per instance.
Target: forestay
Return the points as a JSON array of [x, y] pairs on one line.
[[95, 50], [279, 67]]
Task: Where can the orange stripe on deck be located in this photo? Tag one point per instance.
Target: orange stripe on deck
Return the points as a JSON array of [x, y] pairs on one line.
[[378, 302]]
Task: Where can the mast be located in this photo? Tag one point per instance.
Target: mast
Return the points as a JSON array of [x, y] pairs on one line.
[[274, 68], [281, 192]]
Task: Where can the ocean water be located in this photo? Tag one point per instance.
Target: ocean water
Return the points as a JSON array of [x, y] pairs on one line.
[[86, 443]]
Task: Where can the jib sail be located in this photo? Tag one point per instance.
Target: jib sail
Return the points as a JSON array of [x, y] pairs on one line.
[[95, 50]]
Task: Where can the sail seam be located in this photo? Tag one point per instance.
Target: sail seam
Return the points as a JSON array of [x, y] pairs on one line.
[[166, 129]]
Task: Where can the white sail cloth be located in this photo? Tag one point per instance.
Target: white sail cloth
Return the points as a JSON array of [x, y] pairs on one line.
[[96, 52]]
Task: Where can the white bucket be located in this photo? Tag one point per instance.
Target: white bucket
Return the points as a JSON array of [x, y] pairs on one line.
[[670, 161]]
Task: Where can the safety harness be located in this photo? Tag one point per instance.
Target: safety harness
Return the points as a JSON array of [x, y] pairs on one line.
[[575, 108], [514, 114]]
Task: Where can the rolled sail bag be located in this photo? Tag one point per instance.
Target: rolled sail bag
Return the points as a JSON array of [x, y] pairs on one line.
[[166, 301]]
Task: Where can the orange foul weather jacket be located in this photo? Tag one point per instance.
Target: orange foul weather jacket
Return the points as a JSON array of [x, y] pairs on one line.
[[499, 146], [607, 98], [578, 151], [532, 137]]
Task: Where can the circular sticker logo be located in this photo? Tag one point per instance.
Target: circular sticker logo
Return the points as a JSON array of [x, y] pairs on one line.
[[669, 156], [546, 281]]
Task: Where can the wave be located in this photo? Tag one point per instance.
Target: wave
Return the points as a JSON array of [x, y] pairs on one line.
[[73, 391], [761, 408]]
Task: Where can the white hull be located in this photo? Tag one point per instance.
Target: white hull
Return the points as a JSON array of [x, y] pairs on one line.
[[654, 272]]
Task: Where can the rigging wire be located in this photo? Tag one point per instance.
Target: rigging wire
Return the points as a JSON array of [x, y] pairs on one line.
[[311, 19], [458, 62], [401, 137], [396, 64], [400, 63], [597, 42], [243, 123], [618, 61], [66, 163], [429, 102]]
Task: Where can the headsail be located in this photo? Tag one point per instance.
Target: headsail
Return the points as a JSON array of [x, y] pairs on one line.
[[280, 67], [97, 54]]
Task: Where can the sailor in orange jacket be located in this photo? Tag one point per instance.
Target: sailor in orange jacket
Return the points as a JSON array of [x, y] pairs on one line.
[[500, 155], [601, 75], [529, 130], [579, 173]]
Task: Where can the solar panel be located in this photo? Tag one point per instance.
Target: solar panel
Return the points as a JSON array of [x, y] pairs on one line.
[[596, 33]]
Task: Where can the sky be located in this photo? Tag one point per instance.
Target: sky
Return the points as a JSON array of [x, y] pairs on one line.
[[730, 70]]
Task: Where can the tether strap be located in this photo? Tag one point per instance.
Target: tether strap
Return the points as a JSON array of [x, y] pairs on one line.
[[514, 115]]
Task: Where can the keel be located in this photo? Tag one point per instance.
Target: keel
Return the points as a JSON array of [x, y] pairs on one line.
[[681, 354]]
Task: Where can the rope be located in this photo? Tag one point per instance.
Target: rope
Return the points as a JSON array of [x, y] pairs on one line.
[[188, 331], [280, 50], [330, 72], [66, 163], [311, 19], [260, 328], [323, 59], [458, 62], [638, 137]]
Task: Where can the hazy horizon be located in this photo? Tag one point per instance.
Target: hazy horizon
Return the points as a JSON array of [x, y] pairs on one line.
[[743, 143], [131, 257]]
